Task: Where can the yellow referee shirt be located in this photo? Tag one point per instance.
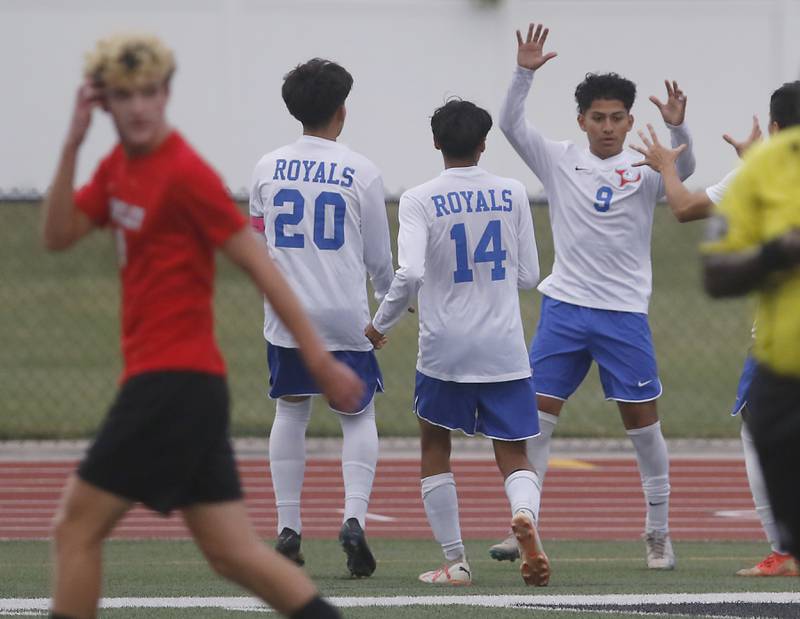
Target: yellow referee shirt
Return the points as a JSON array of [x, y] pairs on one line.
[[763, 202]]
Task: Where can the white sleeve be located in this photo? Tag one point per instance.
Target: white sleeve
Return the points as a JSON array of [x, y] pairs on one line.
[[412, 244], [716, 192], [685, 163], [536, 150], [528, 275], [375, 233]]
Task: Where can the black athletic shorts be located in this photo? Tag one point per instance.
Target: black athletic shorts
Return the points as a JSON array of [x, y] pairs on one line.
[[165, 442], [774, 422]]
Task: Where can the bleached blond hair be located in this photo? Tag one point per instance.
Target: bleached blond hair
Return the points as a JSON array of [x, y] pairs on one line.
[[129, 61]]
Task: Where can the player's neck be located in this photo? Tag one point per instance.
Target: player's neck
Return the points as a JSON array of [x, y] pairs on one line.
[[603, 155], [330, 132], [459, 163], [140, 150]]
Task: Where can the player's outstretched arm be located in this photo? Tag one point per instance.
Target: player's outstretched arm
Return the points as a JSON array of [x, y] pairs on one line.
[[745, 145], [412, 242], [673, 111], [341, 386], [62, 223], [737, 273], [526, 139], [685, 205]]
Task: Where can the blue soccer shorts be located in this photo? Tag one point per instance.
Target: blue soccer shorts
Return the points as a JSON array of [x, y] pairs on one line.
[[288, 374], [505, 411], [748, 371], [570, 336]]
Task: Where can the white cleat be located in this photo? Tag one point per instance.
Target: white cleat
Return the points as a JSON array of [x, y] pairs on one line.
[[660, 555], [507, 550], [456, 574]]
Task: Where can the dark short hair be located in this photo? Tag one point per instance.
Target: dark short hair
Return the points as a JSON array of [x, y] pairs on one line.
[[459, 127], [608, 86], [314, 90], [784, 105]]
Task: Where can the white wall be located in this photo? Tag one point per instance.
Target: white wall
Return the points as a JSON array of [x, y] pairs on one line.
[[406, 57]]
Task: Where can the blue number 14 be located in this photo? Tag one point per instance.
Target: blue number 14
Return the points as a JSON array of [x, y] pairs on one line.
[[496, 255]]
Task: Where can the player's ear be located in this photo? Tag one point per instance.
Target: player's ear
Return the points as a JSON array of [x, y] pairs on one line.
[[582, 122], [773, 128], [630, 122], [482, 146], [436, 144]]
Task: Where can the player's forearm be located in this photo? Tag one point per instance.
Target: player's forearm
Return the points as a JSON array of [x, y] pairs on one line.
[[58, 208], [396, 302], [245, 249], [512, 112], [679, 134], [685, 205]]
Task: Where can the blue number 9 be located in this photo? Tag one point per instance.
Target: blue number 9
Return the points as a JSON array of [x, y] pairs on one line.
[[603, 197]]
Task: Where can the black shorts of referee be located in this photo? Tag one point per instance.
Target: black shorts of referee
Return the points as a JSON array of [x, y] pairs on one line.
[[774, 422], [166, 442]]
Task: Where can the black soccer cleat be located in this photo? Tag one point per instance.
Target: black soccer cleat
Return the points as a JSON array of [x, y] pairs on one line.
[[288, 545], [360, 561]]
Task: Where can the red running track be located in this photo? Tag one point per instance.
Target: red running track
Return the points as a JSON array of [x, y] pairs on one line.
[[603, 501]]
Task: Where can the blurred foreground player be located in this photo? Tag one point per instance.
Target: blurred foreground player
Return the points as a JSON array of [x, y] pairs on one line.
[[688, 206], [165, 441], [466, 245], [755, 246]]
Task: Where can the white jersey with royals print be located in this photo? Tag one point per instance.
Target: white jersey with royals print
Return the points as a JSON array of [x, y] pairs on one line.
[[601, 211], [465, 246], [321, 208]]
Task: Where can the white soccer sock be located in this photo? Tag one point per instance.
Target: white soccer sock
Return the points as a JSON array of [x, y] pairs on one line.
[[522, 488], [441, 506], [755, 477], [539, 454], [287, 459], [651, 454], [359, 459]]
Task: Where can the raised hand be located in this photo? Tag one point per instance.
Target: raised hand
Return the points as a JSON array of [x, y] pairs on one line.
[[674, 110], [656, 155], [743, 146], [377, 339], [87, 98], [530, 52]]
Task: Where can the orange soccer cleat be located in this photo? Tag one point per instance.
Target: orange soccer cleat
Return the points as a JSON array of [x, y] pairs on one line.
[[774, 564]]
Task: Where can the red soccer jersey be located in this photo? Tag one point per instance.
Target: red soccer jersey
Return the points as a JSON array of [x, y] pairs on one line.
[[168, 211]]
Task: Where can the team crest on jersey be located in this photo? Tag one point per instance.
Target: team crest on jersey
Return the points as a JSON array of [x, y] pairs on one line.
[[626, 176], [128, 216]]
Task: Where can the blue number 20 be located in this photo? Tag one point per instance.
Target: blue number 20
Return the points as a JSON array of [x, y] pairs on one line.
[[603, 197], [295, 216], [491, 236]]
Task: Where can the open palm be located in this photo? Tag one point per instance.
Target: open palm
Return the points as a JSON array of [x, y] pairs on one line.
[[674, 110], [530, 52]]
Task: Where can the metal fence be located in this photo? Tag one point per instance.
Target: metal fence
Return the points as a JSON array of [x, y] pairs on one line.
[[59, 350]]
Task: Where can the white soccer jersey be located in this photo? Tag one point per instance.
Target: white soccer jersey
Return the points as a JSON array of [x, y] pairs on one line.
[[465, 246], [601, 211], [324, 218], [716, 192]]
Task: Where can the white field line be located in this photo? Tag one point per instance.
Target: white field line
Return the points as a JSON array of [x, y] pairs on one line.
[[17, 606]]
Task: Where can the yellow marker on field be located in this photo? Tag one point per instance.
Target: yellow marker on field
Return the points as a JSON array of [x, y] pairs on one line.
[[571, 464]]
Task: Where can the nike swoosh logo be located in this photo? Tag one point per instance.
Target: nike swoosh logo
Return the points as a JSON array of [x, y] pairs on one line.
[[642, 383], [579, 169]]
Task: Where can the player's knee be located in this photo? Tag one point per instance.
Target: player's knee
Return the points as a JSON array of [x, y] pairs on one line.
[[69, 534]]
